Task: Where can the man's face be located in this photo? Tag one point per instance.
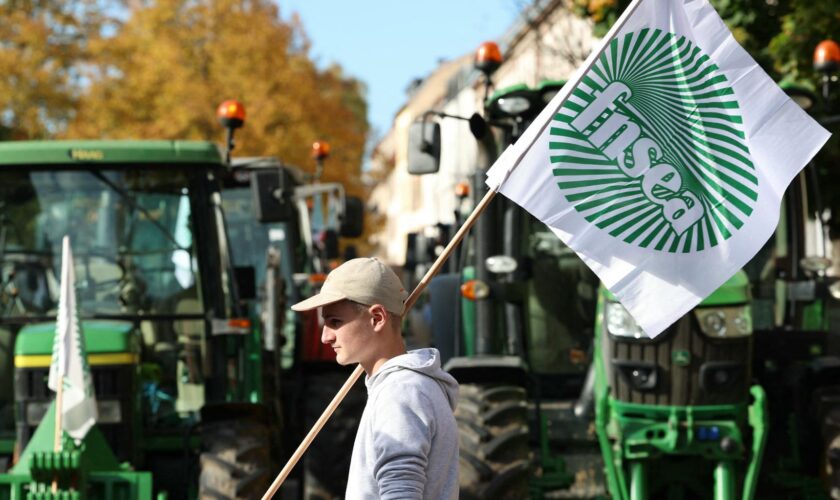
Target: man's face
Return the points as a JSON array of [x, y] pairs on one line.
[[349, 331]]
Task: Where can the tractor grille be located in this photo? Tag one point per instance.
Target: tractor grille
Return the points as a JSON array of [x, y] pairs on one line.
[[114, 387], [681, 367]]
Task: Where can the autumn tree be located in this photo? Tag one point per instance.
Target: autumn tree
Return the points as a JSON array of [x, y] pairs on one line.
[[162, 73], [780, 34], [42, 47]]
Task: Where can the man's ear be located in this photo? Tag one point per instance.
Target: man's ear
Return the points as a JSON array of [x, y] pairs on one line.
[[379, 316]]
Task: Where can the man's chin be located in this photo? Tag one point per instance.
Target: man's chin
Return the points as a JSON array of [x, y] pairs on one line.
[[342, 360]]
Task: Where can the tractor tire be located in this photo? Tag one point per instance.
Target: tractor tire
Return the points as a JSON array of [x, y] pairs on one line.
[[327, 462], [830, 467], [493, 435], [236, 462]]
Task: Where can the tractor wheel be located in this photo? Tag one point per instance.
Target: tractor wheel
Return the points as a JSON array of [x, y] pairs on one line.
[[236, 461], [830, 468], [327, 462], [493, 436]]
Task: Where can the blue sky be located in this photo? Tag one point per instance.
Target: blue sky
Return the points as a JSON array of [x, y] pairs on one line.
[[386, 44]]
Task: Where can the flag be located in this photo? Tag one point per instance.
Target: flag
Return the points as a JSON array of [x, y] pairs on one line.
[[663, 161], [69, 358]]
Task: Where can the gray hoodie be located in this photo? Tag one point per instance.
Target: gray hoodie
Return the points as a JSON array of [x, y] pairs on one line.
[[407, 443]]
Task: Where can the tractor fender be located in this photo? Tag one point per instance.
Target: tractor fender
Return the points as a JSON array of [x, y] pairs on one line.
[[487, 369]]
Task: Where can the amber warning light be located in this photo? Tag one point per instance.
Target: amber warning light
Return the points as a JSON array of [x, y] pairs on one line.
[[320, 150], [231, 114], [827, 56], [488, 57]]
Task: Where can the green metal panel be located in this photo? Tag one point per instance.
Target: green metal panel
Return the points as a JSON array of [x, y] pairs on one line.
[[114, 485], [101, 336], [97, 455], [736, 290], [107, 152], [468, 315], [7, 444]]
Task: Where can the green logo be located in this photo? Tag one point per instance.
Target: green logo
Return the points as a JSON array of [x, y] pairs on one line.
[[649, 147], [681, 357]]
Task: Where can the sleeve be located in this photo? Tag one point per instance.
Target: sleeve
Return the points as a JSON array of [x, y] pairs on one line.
[[402, 438]]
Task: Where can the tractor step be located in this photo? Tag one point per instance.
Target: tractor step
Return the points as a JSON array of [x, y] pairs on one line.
[[573, 446]]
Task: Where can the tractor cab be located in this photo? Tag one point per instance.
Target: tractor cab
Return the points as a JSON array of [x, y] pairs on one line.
[[157, 293]]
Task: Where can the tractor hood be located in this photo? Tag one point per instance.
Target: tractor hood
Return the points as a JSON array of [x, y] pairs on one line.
[[101, 336]]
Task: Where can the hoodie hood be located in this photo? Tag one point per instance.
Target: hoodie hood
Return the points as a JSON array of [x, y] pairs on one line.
[[423, 361]]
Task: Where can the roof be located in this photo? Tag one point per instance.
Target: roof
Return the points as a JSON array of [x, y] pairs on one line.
[[107, 151]]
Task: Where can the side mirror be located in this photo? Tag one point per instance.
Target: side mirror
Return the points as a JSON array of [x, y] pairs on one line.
[[271, 192], [423, 148], [246, 282], [353, 221], [478, 126]]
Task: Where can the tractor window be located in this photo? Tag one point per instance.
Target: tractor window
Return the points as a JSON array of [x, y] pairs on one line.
[[130, 230], [249, 238], [561, 304]]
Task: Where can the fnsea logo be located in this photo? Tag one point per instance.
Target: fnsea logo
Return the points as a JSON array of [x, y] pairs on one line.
[[650, 147]]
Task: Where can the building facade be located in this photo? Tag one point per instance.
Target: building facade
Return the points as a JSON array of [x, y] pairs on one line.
[[548, 42]]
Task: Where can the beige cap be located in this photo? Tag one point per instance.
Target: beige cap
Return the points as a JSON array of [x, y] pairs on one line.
[[366, 281]]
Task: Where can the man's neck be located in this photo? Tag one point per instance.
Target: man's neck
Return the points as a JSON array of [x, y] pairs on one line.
[[390, 351]]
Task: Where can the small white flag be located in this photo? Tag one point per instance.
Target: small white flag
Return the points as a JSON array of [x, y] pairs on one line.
[[69, 357], [663, 162]]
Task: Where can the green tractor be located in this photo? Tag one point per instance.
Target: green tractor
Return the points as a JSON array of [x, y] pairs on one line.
[[178, 369], [287, 226], [513, 322], [688, 414], [738, 398]]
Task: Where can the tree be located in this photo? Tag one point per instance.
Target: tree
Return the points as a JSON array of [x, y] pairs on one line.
[[780, 34], [42, 46], [162, 73]]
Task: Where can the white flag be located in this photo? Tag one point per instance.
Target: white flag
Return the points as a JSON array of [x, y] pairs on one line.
[[665, 167], [69, 357]]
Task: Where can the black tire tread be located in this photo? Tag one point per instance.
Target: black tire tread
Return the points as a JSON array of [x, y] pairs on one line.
[[496, 461], [235, 463]]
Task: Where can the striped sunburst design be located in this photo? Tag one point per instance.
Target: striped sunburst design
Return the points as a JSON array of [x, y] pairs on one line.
[[682, 103]]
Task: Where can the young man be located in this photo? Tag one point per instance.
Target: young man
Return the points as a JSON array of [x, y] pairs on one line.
[[407, 443]]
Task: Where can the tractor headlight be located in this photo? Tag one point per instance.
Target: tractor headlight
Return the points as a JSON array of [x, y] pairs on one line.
[[620, 323], [725, 322], [501, 264], [514, 105]]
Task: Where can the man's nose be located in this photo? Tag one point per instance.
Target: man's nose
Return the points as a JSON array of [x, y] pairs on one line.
[[327, 336]]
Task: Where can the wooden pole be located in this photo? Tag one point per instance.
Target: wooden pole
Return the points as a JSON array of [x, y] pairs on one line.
[[409, 302], [58, 423]]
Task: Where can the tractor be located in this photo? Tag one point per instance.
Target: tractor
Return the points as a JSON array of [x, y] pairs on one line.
[[177, 365], [738, 398]]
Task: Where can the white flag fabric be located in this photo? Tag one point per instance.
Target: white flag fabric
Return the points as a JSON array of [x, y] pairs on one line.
[[663, 161], [69, 357]]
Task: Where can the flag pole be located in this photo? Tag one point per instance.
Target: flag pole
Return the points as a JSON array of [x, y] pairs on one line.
[[435, 268], [58, 423]]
